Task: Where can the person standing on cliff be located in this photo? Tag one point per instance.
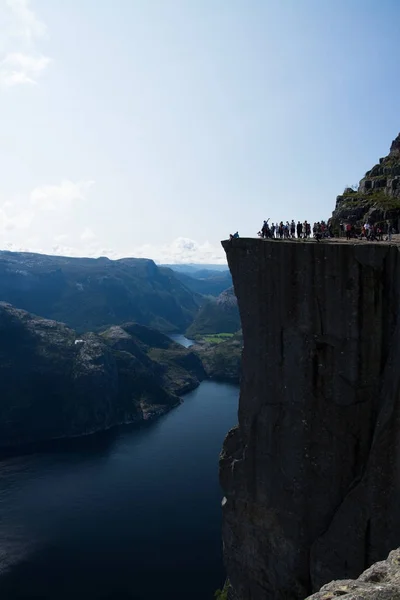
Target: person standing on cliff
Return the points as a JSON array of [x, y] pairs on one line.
[[299, 228], [389, 230], [265, 230]]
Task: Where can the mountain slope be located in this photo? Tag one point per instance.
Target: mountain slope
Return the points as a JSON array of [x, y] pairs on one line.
[[54, 383], [88, 294], [222, 361], [377, 198], [207, 283], [219, 315]]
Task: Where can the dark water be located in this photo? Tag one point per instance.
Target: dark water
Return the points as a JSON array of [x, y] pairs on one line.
[[130, 514], [181, 339]]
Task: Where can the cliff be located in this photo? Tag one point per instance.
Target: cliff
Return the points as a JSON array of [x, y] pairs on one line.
[[311, 472], [377, 197], [54, 383], [379, 582]]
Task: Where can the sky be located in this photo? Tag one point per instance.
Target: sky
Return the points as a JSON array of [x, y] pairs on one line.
[[155, 128]]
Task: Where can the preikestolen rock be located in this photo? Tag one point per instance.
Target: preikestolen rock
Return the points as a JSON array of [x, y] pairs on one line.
[[311, 475]]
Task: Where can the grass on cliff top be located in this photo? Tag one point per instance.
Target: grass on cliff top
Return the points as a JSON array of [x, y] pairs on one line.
[[378, 199]]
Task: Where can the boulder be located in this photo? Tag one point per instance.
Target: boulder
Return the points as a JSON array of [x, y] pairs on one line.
[[379, 582]]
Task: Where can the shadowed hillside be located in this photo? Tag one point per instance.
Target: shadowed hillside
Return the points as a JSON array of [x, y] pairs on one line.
[[219, 315], [88, 294], [57, 384]]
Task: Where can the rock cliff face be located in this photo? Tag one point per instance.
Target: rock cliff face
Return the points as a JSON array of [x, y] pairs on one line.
[[379, 582], [54, 383], [378, 195], [311, 475]]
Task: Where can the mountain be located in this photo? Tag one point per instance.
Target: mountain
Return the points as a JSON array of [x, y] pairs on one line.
[[179, 369], [217, 315], [193, 268], [207, 283], [377, 198], [55, 383], [89, 294], [222, 361]]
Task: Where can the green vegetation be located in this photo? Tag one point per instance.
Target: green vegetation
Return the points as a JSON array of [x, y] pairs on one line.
[[368, 200], [222, 359], [223, 594], [215, 338]]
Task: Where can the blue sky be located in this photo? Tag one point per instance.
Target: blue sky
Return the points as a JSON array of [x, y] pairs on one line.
[[157, 127]]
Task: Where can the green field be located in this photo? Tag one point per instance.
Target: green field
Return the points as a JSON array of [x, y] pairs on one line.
[[216, 338]]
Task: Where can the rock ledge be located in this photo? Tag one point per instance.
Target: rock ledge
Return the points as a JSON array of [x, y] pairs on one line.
[[379, 582]]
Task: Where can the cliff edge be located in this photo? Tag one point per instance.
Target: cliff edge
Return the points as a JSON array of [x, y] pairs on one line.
[[311, 473]]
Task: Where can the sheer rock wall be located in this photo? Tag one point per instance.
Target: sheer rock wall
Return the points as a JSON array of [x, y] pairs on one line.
[[311, 475]]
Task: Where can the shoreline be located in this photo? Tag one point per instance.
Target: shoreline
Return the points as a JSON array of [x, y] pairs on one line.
[[30, 447]]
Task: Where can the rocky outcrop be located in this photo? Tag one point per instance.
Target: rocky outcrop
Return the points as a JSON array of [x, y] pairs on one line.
[[54, 383], [311, 472], [377, 198], [217, 315], [222, 360], [379, 582]]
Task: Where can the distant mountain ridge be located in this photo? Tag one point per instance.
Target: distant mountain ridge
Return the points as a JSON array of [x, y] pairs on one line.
[[193, 268], [208, 283], [89, 294]]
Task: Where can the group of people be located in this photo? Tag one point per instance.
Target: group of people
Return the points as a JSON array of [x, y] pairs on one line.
[[322, 229], [370, 232], [295, 230]]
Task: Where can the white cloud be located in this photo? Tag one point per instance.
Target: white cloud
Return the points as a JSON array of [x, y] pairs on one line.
[[61, 238], [87, 235], [17, 68], [14, 219], [26, 24], [56, 197], [179, 251], [22, 221], [183, 250], [48, 220], [20, 60]]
